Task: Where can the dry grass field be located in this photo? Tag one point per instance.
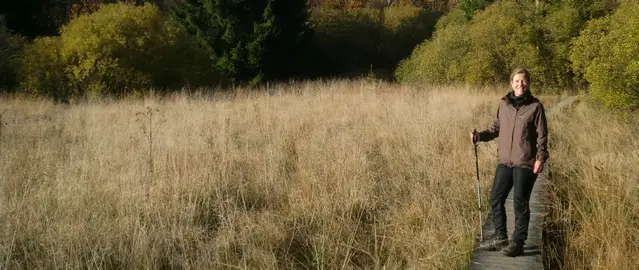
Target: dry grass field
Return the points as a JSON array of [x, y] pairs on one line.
[[322, 175], [595, 186], [328, 175]]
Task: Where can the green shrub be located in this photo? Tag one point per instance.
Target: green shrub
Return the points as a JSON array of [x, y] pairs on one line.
[[453, 17], [123, 48], [42, 70], [470, 7], [441, 59], [502, 37], [559, 27], [589, 9], [607, 54], [481, 51]]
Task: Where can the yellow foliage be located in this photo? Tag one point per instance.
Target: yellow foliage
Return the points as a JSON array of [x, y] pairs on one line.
[[607, 54], [42, 69], [123, 48], [441, 59]]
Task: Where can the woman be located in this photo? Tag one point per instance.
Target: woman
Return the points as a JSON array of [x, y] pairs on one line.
[[522, 149]]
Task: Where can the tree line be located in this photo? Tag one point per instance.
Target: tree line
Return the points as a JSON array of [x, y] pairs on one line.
[[81, 48], [590, 44], [109, 48]]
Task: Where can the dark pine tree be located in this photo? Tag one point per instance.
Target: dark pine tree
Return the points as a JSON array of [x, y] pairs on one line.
[[250, 41]]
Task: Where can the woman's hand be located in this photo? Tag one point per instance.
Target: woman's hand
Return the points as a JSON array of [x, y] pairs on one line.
[[539, 166], [473, 138]]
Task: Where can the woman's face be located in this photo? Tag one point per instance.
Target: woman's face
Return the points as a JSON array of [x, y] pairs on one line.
[[519, 84]]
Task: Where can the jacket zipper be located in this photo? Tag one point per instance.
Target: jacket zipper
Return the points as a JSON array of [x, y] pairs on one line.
[[512, 138]]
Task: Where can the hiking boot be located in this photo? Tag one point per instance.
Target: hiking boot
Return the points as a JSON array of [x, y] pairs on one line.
[[495, 244], [514, 249]]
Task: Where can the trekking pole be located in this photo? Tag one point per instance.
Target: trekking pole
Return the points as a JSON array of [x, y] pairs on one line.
[[481, 230]]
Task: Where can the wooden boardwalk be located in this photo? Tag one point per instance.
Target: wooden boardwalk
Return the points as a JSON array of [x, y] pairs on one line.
[[482, 259]]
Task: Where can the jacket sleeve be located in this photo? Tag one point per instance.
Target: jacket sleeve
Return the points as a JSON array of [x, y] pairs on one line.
[[492, 132], [542, 134]]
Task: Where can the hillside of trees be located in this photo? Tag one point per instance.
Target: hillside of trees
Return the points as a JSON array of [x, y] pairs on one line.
[[70, 49]]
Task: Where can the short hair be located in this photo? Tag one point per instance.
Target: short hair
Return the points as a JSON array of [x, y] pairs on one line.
[[521, 71]]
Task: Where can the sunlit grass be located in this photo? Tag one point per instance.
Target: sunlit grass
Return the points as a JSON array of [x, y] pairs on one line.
[[595, 183], [321, 175], [342, 174]]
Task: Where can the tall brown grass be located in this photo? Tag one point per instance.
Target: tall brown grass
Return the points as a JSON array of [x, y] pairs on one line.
[[343, 174], [595, 183], [324, 175]]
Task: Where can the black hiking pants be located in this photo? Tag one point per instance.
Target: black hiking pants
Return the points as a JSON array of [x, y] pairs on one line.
[[523, 180]]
